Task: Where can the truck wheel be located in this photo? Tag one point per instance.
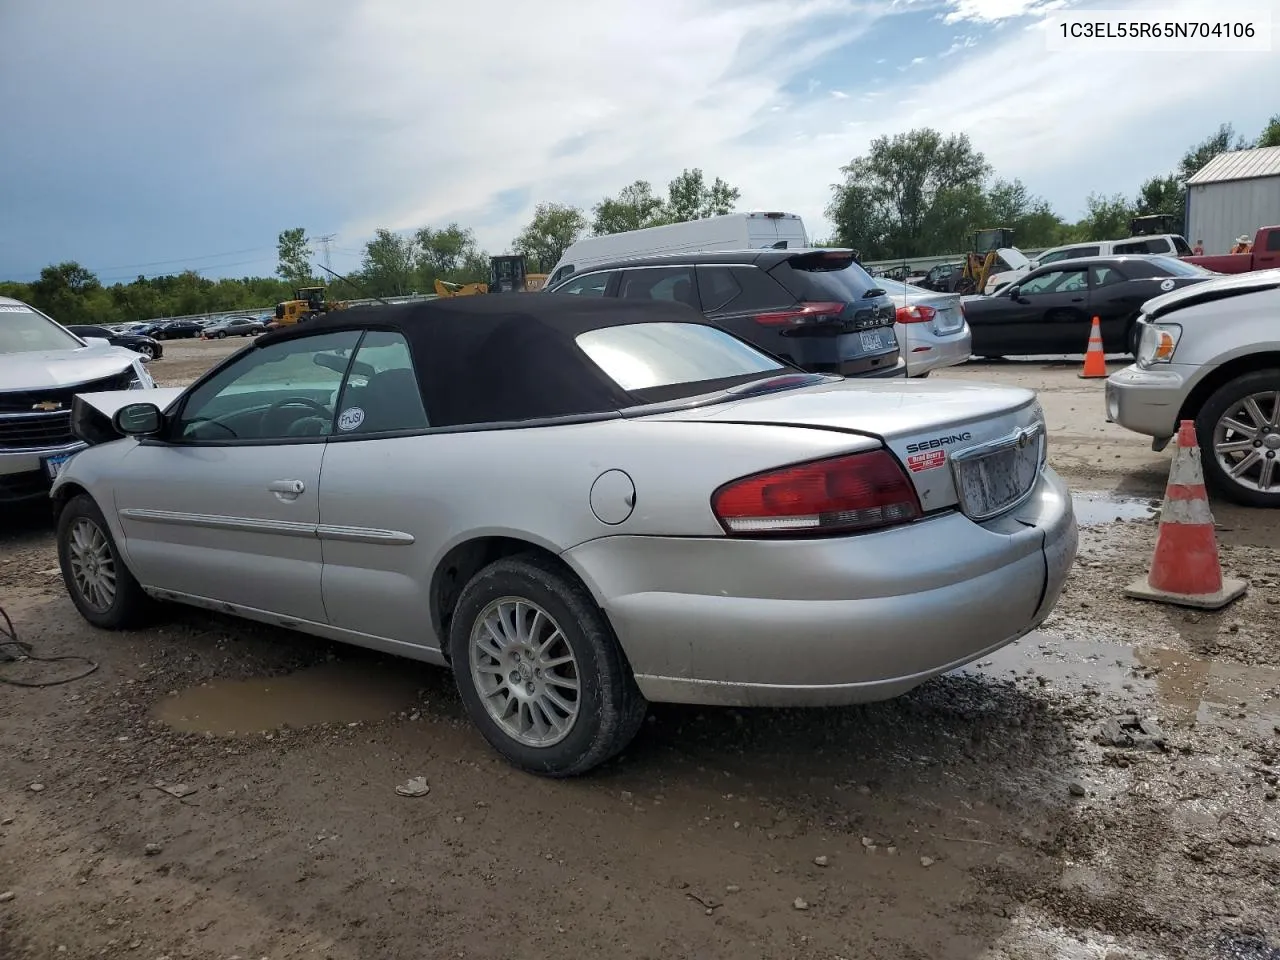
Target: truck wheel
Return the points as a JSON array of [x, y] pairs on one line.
[[1238, 430], [539, 669]]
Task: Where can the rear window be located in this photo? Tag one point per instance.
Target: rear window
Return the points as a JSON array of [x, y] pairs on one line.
[[645, 356], [1169, 267], [810, 277]]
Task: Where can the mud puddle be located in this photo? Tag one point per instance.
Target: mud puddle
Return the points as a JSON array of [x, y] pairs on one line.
[[1094, 509], [335, 692], [1187, 690]]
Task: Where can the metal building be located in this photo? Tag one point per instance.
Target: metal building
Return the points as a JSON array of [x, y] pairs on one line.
[[1234, 193]]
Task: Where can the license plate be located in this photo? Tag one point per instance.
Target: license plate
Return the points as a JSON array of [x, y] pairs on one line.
[[992, 483], [53, 464], [873, 341]]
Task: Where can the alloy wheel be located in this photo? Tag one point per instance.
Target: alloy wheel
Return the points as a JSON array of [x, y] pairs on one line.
[[525, 672], [93, 568], [1246, 441]]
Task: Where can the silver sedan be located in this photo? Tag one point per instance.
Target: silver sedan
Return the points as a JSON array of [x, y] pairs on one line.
[[931, 327], [579, 506]]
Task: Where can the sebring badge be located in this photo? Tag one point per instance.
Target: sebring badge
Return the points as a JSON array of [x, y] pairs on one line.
[[46, 406]]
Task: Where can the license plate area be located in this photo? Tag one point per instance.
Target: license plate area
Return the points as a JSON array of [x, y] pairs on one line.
[[877, 340], [998, 476], [53, 464]]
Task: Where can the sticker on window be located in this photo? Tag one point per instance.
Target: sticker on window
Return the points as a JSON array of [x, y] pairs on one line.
[[1167, 285], [12, 308], [929, 460], [350, 418]]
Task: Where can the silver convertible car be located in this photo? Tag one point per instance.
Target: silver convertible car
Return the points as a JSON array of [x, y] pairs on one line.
[[578, 505]]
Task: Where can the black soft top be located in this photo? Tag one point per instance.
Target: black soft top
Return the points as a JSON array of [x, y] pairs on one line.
[[499, 358]]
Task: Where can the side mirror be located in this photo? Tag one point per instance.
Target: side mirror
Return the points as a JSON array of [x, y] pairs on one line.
[[96, 341], [138, 420]]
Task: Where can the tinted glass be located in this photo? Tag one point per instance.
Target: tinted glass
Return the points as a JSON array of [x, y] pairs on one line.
[[1273, 241], [844, 285], [1138, 246], [1170, 267], [22, 330], [716, 287], [284, 391], [642, 356], [587, 285], [382, 390], [1101, 276], [1055, 281], [1180, 247], [659, 283]]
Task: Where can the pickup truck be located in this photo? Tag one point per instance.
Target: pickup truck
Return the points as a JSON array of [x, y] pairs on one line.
[[1265, 255]]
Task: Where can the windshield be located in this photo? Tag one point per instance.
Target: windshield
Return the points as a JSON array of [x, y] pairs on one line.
[[645, 356], [1178, 268], [23, 330]]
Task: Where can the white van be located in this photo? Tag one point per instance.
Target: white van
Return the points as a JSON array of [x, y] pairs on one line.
[[734, 231]]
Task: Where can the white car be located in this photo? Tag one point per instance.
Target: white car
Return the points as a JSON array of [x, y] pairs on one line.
[[931, 327], [1011, 264], [1211, 353], [42, 367]]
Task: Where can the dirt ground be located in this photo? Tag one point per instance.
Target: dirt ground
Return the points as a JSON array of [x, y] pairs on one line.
[[1106, 788]]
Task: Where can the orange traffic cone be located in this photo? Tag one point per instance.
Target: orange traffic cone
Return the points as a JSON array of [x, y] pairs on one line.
[[1185, 569], [1095, 361]]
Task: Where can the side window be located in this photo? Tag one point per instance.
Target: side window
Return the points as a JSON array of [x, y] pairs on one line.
[[1055, 281], [1180, 247], [285, 391], [588, 285], [1104, 276], [1139, 246], [1055, 256], [560, 274], [1273, 241], [659, 283], [759, 290], [381, 393], [716, 287]]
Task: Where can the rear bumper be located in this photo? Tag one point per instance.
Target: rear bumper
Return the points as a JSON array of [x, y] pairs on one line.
[[829, 621], [926, 351], [1149, 401]]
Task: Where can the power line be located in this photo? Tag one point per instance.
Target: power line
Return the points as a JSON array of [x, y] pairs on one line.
[[159, 263], [213, 266], [324, 241]]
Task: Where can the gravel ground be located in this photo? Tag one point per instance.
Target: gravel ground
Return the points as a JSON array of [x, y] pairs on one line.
[[1103, 789]]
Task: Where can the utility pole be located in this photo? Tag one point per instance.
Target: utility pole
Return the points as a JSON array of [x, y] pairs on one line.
[[324, 242]]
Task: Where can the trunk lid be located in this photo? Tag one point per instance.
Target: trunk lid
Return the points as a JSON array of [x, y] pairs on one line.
[[961, 444]]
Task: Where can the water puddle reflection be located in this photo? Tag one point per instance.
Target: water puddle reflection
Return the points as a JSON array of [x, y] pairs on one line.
[[1189, 690], [1094, 509], [334, 692]]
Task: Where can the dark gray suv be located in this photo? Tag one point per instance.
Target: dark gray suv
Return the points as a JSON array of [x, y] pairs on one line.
[[817, 309]]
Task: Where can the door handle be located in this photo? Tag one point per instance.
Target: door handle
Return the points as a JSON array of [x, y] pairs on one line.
[[287, 489], [1077, 299]]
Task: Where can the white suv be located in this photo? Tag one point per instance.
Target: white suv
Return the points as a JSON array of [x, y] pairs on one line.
[[1210, 352], [42, 367]]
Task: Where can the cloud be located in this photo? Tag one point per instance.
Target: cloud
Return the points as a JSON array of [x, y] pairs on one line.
[[391, 113]]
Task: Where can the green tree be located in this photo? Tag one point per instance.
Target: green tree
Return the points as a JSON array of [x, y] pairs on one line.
[[71, 294], [450, 253], [1270, 136], [548, 235], [1199, 155], [689, 197], [1008, 203], [635, 208], [294, 252], [388, 264], [912, 195], [1106, 218]]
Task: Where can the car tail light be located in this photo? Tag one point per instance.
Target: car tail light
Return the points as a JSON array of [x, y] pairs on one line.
[[801, 313], [859, 491], [916, 314]]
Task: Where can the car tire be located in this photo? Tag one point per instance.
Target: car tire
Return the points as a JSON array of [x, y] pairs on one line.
[[147, 351], [89, 557], [1223, 403], [221, 334], [608, 709]]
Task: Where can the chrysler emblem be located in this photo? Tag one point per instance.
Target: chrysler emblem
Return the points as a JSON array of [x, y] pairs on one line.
[[46, 406], [1024, 438]]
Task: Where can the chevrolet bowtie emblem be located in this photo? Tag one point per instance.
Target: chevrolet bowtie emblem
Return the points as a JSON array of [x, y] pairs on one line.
[[46, 406]]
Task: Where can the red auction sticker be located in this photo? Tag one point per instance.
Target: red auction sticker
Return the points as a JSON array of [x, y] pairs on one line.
[[926, 461]]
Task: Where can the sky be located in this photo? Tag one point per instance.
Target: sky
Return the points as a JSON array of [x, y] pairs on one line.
[[150, 136]]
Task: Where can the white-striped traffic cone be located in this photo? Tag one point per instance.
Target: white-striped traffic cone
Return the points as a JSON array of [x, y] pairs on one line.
[[1185, 569]]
